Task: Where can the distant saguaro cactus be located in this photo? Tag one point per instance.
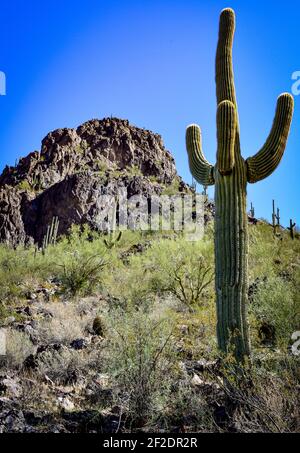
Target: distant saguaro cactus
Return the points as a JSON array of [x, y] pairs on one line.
[[230, 176], [275, 217], [291, 228], [278, 216], [51, 235], [252, 211]]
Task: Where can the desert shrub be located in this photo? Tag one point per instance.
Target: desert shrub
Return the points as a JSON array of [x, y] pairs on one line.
[[66, 365], [127, 283], [81, 274], [186, 407], [169, 267], [133, 171], [141, 358], [196, 333], [65, 325], [4, 312], [275, 304], [182, 268], [23, 269], [130, 238], [25, 185], [269, 255], [11, 272], [18, 347], [263, 396], [76, 260], [263, 250], [189, 281], [172, 189]]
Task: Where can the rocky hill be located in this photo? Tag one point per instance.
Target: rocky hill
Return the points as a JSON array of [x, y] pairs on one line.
[[73, 168]]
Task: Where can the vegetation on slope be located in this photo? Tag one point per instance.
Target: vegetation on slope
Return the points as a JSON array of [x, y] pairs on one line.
[[155, 364]]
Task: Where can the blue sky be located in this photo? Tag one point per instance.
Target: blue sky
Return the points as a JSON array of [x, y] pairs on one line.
[[151, 62]]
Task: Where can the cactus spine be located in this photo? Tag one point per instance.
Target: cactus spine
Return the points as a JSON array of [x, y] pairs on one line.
[[230, 176], [291, 228]]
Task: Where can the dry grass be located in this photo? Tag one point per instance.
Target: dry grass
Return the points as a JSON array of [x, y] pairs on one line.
[[65, 325], [18, 347]]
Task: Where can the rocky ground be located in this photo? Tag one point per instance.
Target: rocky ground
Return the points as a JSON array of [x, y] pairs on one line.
[[51, 379]]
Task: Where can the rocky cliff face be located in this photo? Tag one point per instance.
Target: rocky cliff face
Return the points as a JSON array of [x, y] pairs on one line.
[[73, 169]]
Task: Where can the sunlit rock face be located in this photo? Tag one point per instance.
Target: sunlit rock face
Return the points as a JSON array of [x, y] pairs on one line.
[[74, 167]]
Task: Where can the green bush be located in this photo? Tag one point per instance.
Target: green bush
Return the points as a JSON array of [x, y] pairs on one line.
[[262, 396], [275, 304], [183, 269], [81, 274], [141, 359]]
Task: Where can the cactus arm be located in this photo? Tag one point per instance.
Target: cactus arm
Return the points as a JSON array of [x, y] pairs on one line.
[[224, 68], [226, 133], [268, 158], [200, 168]]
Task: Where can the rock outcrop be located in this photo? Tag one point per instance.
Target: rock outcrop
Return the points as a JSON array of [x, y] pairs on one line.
[[73, 169]]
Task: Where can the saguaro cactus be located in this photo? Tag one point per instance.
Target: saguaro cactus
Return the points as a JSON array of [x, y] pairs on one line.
[[51, 235], [230, 176], [278, 217], [292, 228], [275, 217]]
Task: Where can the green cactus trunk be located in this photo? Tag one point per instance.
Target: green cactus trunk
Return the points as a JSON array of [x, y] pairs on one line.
[[231, 260], [230, 176]]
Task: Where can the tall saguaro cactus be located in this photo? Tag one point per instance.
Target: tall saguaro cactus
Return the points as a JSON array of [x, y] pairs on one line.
[[230, 176]]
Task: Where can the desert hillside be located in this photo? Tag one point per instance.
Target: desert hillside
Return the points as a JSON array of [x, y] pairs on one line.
[[116, 332]]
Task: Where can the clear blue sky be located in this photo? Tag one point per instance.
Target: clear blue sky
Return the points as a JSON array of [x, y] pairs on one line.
[[151, 62]]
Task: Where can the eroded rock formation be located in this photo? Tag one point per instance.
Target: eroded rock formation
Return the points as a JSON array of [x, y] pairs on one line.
[[73, 169]]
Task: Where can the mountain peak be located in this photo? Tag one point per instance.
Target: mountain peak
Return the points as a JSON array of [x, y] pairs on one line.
[[73, 168]]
